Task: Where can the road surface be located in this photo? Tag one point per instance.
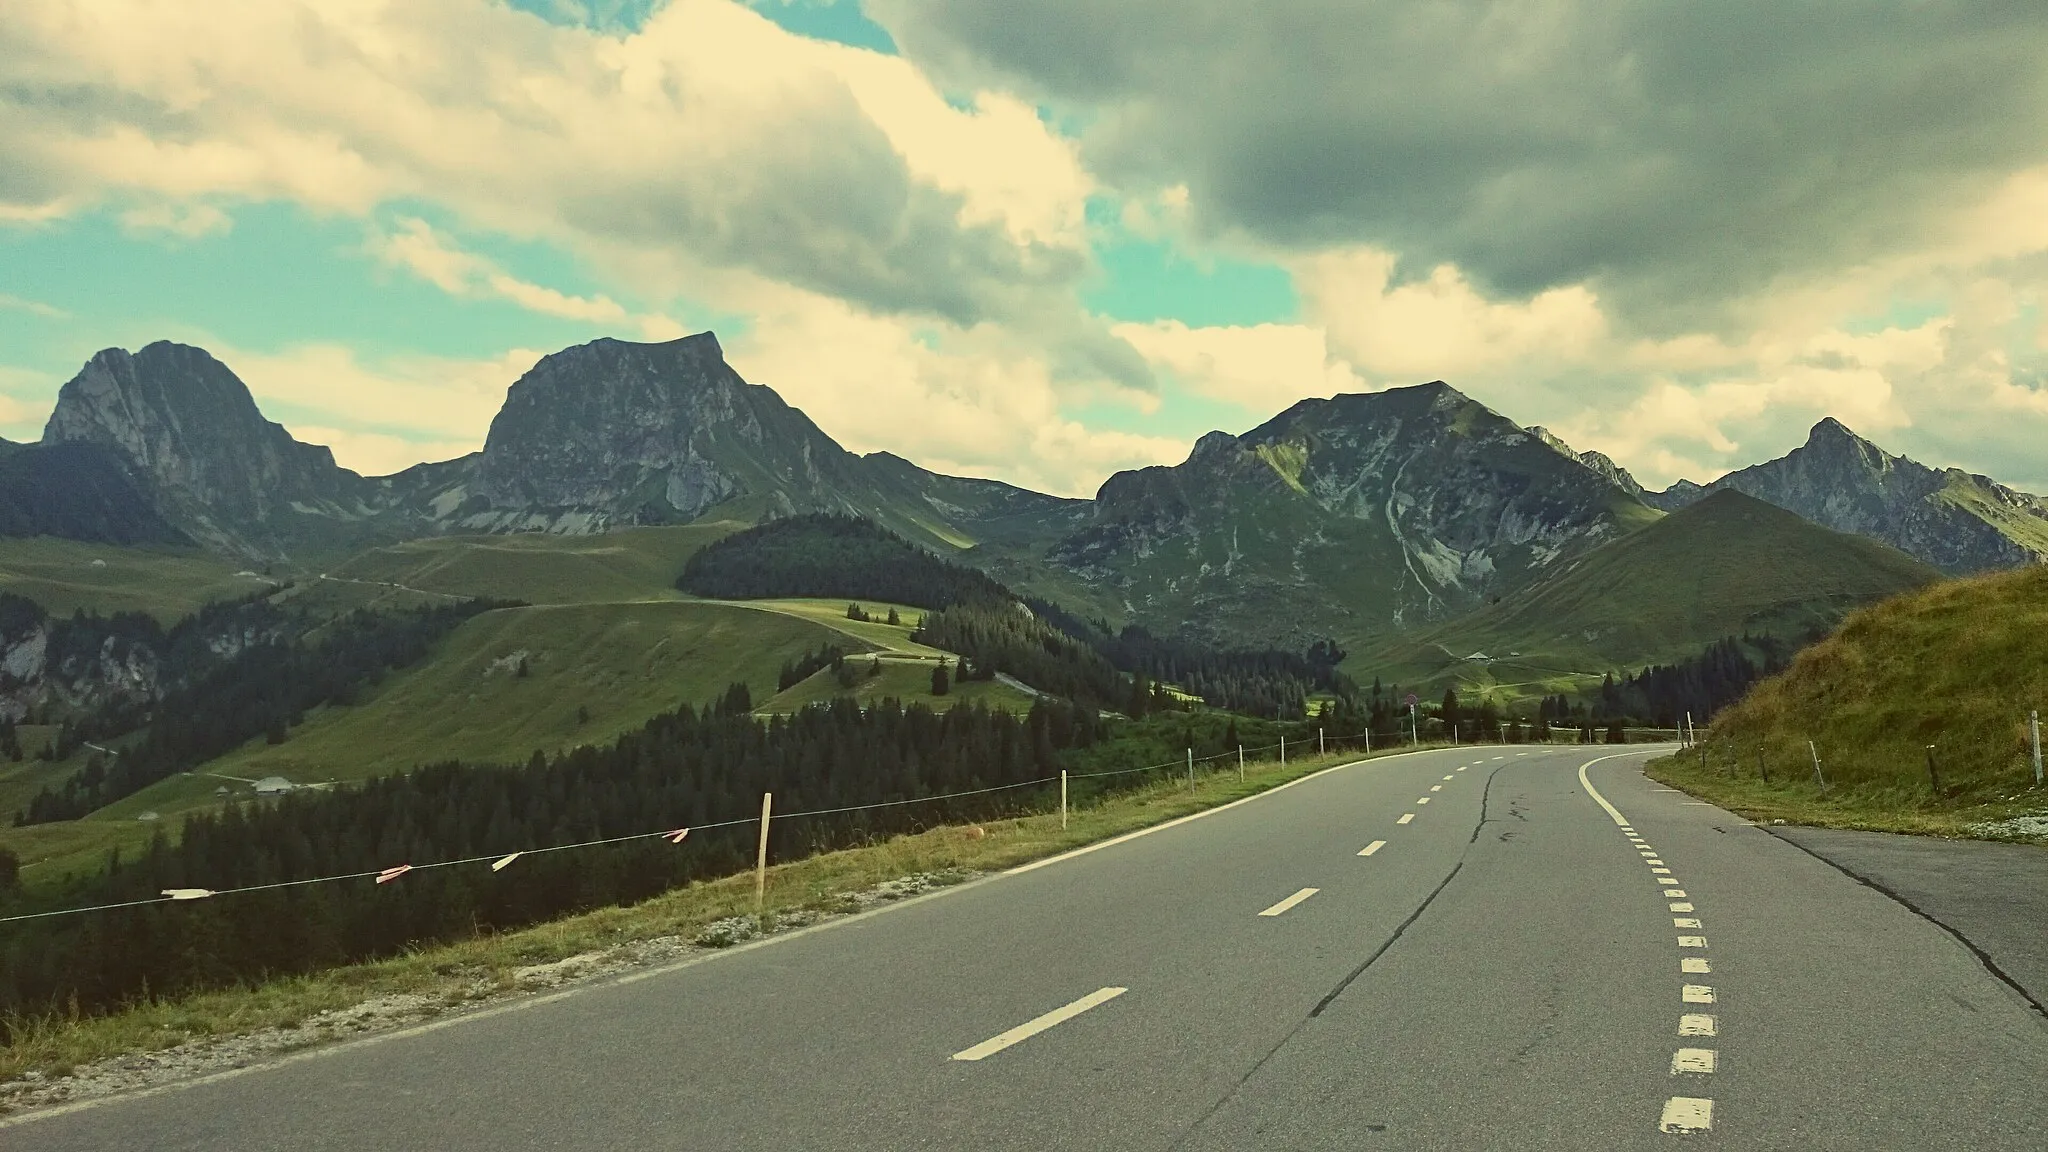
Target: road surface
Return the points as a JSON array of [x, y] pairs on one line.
[[1454, 949]]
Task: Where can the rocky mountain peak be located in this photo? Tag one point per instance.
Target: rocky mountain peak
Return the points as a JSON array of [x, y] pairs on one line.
[[615, 431], [1950, 519], [187, 428]]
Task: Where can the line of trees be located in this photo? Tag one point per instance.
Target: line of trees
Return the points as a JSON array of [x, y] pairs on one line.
[[1660, 695]]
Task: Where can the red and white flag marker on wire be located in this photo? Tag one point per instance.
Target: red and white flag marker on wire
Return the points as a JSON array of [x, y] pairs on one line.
[[390, 874], [676, 837], [188, 893], [499, 864]]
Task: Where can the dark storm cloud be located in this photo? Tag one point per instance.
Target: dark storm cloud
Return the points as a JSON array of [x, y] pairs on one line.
[[1673, 153]]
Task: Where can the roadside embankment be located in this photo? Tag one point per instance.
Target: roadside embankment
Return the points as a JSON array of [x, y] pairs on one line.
[[58, 1057]]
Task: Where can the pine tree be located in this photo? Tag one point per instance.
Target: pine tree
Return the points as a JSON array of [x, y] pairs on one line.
[[894, 618], [941, 682]]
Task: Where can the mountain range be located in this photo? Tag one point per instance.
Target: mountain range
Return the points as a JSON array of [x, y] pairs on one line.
[[1364, 516]]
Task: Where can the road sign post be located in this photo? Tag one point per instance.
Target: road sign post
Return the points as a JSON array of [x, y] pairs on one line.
[[1063, 799]]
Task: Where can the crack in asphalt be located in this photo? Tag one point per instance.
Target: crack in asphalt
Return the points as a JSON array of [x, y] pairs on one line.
[[1485, 799], [1982, 956]]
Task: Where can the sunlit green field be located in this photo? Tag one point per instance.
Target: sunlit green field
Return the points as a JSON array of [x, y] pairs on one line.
[[66, 575]]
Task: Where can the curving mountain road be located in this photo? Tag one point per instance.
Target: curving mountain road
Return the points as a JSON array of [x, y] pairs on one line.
[[1471, 948]]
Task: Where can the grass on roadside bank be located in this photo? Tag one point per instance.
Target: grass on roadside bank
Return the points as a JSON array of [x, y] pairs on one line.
[[1792, 796], [484, 968]]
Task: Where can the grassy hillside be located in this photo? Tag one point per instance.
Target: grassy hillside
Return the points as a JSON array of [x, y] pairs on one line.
[[66, 575], [1957, 665], [622, 663], [908, 681], [876, 634], [632, 564], [1724, 566]]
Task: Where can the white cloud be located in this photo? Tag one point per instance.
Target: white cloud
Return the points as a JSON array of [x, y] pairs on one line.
[[383, 416], [418, 248], [966, 401], [709, 139], [1439, 326], [185, 221], [33, 307], [1262, 367]]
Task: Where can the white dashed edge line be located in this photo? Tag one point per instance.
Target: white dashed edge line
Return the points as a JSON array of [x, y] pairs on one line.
[[1682, 1115]]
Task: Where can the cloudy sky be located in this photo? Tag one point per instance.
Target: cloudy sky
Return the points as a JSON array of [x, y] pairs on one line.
[[1046, 239]]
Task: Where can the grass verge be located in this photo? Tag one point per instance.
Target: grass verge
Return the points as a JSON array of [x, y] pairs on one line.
[[487, 967], [1795, 799]]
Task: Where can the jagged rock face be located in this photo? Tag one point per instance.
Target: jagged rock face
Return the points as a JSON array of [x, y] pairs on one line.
[[1406, 504], [1951, 519], [619, 432], [191, 435], [1599, 462]]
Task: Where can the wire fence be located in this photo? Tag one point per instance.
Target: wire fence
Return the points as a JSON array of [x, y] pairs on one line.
[[1321, 744]]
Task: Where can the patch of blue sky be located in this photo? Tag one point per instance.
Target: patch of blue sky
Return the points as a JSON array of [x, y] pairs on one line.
[[279, 277], [601, 15], [1903, 314], [842, 21], [1145, 280]]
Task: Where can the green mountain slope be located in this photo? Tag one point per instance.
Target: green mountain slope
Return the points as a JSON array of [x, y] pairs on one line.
[[539, 568], [1724, 566], [619, 663], [67, 575]]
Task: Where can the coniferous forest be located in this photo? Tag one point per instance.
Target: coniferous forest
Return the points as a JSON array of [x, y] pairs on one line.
[[688, 768], [822, 554]]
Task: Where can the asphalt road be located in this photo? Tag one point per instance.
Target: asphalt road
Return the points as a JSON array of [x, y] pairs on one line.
[[1511, 968], [1993, 896]]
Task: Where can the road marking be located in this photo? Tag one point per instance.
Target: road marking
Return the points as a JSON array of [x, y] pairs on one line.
[[1030, 1028], [1663, 789], [1681, 907], [1290, 902], [1661, 871], [1373, 847], [1692, 941], [1619, 819], [1694, 964], [1673, 893], [1670, 880], [1696, 994], [1406, 818], [1422, 800], [1450, 777], [1461, 769], [1176, 822], [1684, 1115], [1692, 1060], [1685, 922], [1695, 1024], [1436, 787], [1500, 757]]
